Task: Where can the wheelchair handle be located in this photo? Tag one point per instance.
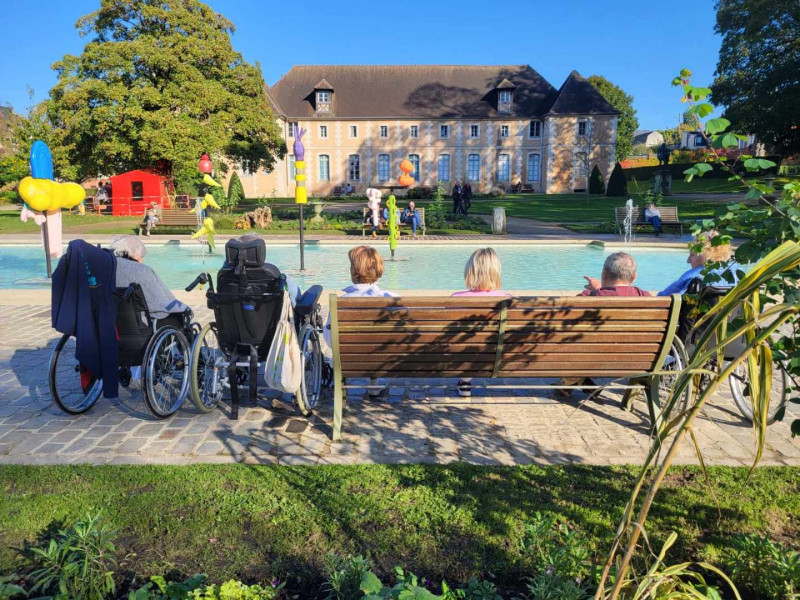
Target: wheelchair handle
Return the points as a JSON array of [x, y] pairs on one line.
[[203, 279]]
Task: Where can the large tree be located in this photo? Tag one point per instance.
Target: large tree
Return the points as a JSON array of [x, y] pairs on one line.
[[758, 72], [158, 84], [628, 123]]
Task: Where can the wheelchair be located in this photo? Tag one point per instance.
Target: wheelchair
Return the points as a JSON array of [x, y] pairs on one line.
[[231, 350], [160, 346]]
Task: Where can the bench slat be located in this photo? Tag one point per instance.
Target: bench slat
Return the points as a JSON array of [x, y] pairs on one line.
[[495, 302], [478, 348], [417, 314], [516, 337], [486, 314]]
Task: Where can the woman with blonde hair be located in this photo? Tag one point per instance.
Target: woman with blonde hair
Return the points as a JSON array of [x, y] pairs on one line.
[[482, 278], [711, 253]]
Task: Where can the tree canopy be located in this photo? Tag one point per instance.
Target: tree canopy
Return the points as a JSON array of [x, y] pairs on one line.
[[627, 123], [158, 84], [758, 71]]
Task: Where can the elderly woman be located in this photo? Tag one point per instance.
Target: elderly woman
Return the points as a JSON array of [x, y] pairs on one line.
[[161, 302], [711, 254]]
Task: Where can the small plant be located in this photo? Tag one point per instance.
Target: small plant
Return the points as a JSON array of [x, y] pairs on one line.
[[436, 212], [550, 586], [477, 589], [553, 548], [160, 589], [408, 587], [9, 590], [78, 562], [236, 590], [344, 576], [765, 568]]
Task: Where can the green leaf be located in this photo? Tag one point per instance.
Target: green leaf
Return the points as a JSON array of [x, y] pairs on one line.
[[751, 164], [700, 93], [752, 194], [703, 167], [765, 164], [703, 110], [370, 584], [717, 125], [729, 141], [795, 427]]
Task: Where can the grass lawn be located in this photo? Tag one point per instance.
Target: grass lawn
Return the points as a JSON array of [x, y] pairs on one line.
[[453, 521]]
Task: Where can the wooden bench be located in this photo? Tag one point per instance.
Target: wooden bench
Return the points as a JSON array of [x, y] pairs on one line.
[[627, 339], [174, 217], [669, 216], [368, 226]]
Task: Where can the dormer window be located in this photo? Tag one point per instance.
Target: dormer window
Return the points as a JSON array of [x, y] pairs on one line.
[[505, 97], [323, 96]]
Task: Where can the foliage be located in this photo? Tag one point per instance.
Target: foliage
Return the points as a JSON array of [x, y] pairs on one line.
[[627, 122], [758, 71], [596, 183], [158, 588], [78, 562], [477, 589], [407, 587], [547, 586], [235, 193], [617, 184], [157, 84], [761, 566], [554, 548], [419, 192], [9, 589], [436, 212], [195, 588], [344, 576]]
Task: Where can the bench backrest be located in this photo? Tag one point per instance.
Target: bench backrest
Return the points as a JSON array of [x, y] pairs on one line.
[[668, 214], [176, 216], [496, 337]]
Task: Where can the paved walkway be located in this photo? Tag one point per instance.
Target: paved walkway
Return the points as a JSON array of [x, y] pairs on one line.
[[409, 425]]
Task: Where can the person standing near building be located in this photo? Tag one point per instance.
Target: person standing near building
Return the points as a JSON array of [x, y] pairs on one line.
[[457, 205], [467, 194]]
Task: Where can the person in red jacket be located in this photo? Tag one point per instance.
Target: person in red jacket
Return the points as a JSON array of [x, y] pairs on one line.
[[619, 273]]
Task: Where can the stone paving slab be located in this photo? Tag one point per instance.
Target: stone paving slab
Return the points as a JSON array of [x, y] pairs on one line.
[[411, 424]]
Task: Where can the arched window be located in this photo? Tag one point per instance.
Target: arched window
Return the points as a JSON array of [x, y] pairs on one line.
[[324, 167], [444, 167], [354, 167], [474, 167], [503, 167], [534, 167], [383, 167], [414, 159]]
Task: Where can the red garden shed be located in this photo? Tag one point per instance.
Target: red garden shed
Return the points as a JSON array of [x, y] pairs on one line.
[[132, 192]]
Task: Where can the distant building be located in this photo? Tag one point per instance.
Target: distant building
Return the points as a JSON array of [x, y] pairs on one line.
[[647, 137], [494, 126], [693, 140]]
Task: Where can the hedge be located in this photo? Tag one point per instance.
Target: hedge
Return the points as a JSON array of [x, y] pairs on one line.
[[677, 169]]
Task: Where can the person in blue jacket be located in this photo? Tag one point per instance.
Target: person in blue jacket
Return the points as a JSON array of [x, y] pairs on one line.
[[715, 254], [411, 217]]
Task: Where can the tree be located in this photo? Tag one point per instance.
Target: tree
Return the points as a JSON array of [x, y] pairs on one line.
[[617, 184], [235, 193], [158, 84], [758, 71], [596, 183], [627, 123]]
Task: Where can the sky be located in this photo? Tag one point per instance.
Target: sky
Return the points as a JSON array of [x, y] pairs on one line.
[[639, 45]]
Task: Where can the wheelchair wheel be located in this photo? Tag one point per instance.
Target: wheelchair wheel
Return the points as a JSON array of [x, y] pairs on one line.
[[675, 362], [74, 390], [208, 369], [739, 382], [165, 372], [311, 355]]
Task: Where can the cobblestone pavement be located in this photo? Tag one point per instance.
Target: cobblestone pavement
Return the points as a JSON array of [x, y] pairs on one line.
[[411, 424]]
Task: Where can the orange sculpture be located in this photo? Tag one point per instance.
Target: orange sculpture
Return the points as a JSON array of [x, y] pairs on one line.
[[406, 167]]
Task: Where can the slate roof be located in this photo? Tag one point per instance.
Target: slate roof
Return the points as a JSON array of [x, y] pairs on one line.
[[400, 91], [578, 97]]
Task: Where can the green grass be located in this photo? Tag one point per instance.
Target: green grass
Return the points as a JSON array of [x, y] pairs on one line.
[[441, 521]]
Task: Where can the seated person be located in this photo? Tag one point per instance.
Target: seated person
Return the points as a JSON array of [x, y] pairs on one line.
[[619, 273], [150, 219], [291, 285], [385, 216], [714, 254], [482, 278], [411, 217], [653, 216], [347, 189], [366, 267]]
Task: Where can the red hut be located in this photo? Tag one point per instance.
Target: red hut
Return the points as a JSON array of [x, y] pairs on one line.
[[132, 192]]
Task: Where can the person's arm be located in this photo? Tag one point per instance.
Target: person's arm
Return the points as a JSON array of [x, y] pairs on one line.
[[681, 284], [294, 290]]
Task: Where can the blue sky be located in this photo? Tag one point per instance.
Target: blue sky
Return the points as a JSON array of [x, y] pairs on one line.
[[638, 44]]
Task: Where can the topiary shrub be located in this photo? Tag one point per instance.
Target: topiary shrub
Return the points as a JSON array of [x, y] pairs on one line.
[[617, 185], [596, 183], [235, 193]]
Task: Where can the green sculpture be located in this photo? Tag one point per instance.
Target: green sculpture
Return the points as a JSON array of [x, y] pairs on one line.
[[394, 232]]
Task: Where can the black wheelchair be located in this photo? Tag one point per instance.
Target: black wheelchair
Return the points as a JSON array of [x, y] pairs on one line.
[[160, 346], [247, 303]]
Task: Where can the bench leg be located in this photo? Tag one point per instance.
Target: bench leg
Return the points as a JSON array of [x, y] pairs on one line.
[[338, 406], [652, 389]]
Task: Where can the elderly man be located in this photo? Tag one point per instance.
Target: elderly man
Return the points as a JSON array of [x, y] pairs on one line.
[[619, 273], [411, 217]]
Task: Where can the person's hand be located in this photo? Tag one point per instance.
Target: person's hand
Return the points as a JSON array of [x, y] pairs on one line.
[[592, 283], [299, 150]]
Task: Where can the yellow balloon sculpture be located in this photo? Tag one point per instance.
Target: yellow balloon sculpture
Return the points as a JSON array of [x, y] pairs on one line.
[[48, 195], [208, 180], [206, 230], [208, 200]]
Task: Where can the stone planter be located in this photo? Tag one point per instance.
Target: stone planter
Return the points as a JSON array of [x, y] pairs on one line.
[[499, 221]]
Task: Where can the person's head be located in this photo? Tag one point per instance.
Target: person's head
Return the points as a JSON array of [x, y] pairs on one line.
[[619, 269], [710, 253], [129, 246], [651, 206], [366, 265], [411, 205], [483, 270]]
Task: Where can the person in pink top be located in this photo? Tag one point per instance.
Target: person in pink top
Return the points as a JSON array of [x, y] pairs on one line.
[[482, 278]]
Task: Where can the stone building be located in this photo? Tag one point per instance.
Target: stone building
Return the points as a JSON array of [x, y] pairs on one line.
[[494, 126]]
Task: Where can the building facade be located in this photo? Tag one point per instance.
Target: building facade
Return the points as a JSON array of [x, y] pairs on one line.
[[494, 126]]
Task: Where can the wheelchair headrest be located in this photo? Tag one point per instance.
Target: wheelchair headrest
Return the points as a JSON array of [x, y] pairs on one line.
[[246, 254]]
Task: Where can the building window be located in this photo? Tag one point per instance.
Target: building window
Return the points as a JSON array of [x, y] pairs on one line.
[[444, 167], [291, 130], [505, 96], [383, 131], [413, 131], [414, 159], [503, 131], [383, 167], [474, 131], [534, 167], [353, 131], [535, 129], [323, 132], [503, 167], [444, 131], [354, 167], [699, 141], [324, 167], [581, 128], [292, 171], [323, 96], [137, 190], [474, 167]]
